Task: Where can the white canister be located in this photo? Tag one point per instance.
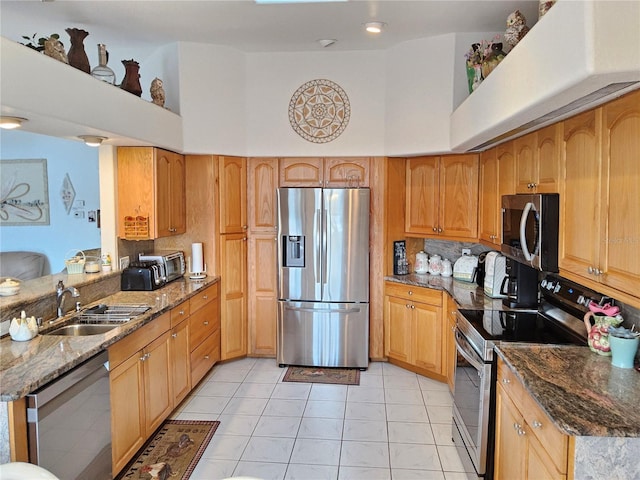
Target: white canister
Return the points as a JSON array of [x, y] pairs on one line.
[[447, 268], [435, 265], [422, 262]]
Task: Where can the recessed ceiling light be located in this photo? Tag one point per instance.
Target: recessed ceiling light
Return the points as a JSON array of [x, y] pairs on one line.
[[374, 27], [92, 140], [9, 123]]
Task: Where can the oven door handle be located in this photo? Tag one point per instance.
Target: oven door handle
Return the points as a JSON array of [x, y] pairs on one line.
[[468, 356]]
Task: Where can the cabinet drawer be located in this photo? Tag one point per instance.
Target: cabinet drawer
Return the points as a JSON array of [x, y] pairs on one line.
[[202, 323], [511, 384], [202, 298], [204, 357], [179, 313], [139, 339], [411, 292], [555, 442]]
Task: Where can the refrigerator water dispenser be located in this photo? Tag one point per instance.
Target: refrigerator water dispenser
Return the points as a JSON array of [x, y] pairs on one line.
[[293, 246]]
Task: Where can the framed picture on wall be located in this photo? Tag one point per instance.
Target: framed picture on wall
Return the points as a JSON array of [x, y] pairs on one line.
[[24, 193]]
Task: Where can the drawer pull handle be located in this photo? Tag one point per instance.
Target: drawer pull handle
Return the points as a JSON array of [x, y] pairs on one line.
[[410, 292], [206, 322], [413, 306], [536, 424], [145, 356], [206, 357], [506, 381], [181, 312], [174, 335]]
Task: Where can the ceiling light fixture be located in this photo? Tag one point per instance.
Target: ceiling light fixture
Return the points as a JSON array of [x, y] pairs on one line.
[[92, 140], [9, 123], [374, 27]]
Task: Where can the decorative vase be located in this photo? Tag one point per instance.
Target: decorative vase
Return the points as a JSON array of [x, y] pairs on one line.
[[477, 78], [77, 56], [102, 72], [492, 59], [131, 80]]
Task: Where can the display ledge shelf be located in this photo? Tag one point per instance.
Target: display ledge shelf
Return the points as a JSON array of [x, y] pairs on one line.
[[579, 55], [63, 101]]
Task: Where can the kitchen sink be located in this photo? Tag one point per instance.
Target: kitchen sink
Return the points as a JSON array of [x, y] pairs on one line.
[[82, 329], [98, 319]]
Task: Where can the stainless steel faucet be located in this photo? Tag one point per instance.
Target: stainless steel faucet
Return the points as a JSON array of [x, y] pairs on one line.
[[61, 290]]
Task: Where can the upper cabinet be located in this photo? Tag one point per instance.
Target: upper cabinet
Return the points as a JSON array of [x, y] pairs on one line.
[[151, 193], [262, 178], [538, 160], [442, 196], [348, 172], [600, 199], [497, 170], [233, 193]]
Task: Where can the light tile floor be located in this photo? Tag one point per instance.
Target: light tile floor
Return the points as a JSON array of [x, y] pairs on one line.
[[394, 425]]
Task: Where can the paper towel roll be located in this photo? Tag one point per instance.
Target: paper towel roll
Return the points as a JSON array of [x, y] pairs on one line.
[[197, 262]]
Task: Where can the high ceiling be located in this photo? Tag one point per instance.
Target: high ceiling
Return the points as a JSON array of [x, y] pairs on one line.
[[251, 27]]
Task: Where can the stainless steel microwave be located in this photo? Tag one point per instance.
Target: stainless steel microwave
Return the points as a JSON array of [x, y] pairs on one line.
[[530, 225]]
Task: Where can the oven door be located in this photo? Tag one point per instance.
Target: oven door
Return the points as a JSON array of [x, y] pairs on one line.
[[471, 403]]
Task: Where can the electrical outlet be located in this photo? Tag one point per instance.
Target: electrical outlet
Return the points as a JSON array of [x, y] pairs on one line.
[[466, 251]]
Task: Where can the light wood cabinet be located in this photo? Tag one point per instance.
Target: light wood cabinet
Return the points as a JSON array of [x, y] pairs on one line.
[[538, 160], [442, 196], [324, 172], [413, 328], [528, 444], [179, 352], [232, 172], [262, 256], [141, 388], [204, 332], [600, 200], [496, 179], [233, 329], [151, 193]]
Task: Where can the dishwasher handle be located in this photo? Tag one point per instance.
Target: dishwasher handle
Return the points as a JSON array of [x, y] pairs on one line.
[[44, 395]]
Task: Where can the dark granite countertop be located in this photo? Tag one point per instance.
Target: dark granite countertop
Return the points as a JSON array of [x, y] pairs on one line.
[[467, 295], [581, 391], [26, 366]]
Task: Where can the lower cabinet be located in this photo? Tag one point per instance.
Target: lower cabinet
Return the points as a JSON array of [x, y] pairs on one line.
[[204, 332], [528, 445], [141, 390], [413, 328], [154, 368]]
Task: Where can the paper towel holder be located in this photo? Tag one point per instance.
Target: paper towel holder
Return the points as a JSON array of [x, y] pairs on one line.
[[197, 262]]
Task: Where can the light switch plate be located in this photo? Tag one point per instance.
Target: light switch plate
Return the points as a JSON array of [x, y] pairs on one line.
[[466, 251]]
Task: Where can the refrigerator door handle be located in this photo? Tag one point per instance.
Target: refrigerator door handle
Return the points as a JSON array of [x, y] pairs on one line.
[[319, 310], [318, 245], [325, 242]]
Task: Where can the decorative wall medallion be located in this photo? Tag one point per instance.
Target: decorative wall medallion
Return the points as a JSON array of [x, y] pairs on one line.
[[319, 111]]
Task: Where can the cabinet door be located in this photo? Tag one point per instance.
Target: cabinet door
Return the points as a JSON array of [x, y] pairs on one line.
[[427, 337], [489, 196], [262, 176], [580, 201], [526, 169], [301, 172], [397, 312], [158, 394], [233, 194], [233, 328], [511, 446], [620, 261], [170, 195], [136, 191], [506, 181], [548, 153], [422, 195], [262, 299], [180, 364], [346, 172], [127, 411], [539, 465], [459, 196]]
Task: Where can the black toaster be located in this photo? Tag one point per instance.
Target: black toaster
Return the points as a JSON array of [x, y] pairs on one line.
[[142, 275]]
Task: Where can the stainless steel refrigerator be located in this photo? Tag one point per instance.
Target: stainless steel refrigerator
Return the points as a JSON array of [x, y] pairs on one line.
[[323, 277]]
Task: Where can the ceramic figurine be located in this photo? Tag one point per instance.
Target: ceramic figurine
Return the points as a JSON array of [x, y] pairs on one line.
[[516, 28], [157, 92], [598, 339], [23, 328], [55, 49]]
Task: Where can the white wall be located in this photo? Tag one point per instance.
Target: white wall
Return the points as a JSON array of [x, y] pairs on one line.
[[65, 232], [212, 99]]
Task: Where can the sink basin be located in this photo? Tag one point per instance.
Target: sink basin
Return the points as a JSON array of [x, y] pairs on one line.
[[81, 329]]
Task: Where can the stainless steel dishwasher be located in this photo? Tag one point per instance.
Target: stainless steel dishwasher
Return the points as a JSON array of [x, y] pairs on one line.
[[69, 423]]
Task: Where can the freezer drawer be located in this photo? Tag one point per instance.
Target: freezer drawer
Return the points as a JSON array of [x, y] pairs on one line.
[[323, 334]]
